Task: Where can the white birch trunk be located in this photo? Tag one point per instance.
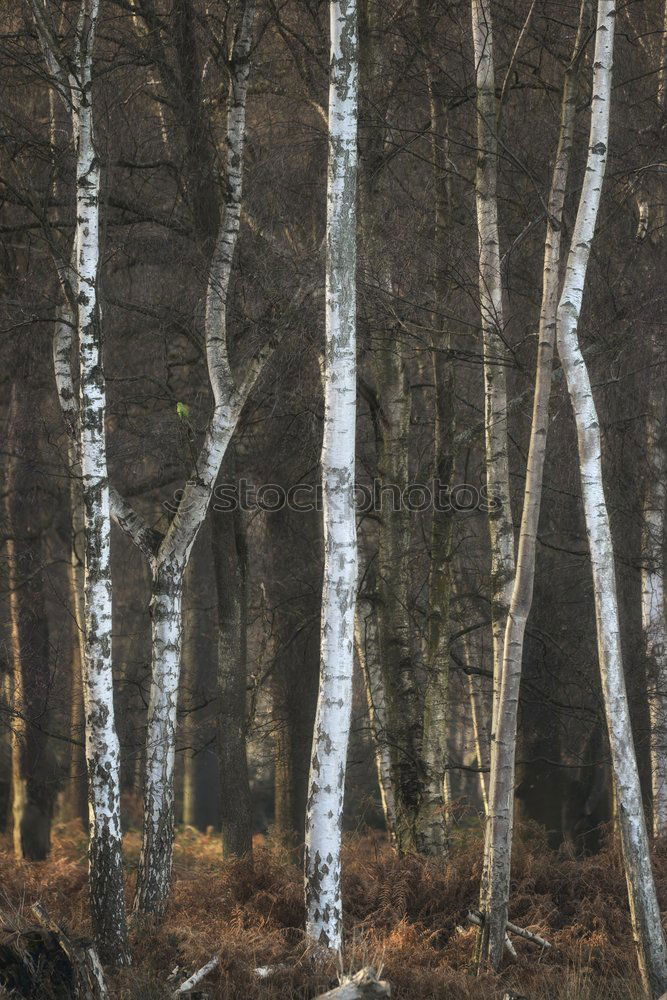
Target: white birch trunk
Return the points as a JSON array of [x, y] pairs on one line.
[[501, 528], [653, 596], [170, 560], [644, 910], [332, 723], [496, 886], [102, 748]]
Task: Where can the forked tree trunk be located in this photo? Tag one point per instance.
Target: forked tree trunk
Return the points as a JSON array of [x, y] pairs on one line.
[[494, 899], [332, 723], [644, 910], [169, 557]]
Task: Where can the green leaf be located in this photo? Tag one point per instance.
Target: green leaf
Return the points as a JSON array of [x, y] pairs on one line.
[[183, 411]]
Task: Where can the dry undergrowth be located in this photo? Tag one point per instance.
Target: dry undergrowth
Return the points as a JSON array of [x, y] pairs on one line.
[[405, 913]]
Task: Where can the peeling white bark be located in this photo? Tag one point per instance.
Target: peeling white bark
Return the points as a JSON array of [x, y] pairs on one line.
[[73, 80], [332, 722], [644, 910], [171, 557], [494, 900]]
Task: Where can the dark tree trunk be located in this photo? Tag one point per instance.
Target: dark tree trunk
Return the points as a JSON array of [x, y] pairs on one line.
[[33, 772], [229, 549]]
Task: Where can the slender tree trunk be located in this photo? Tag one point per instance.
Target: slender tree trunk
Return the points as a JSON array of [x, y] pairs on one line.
[[368, 654], [33, 770], [77, 792], [102, 749], [495, 889], [653, 594], [644, 910], [190, 677], [404, 699], [478, 723], [501, 528], [332, 724], [230, 555], [432, 820], [403, 696], [73, 79]]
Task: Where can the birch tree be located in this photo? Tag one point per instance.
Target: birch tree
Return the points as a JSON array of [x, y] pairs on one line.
[[332, 722], [501, 528], [496, 886], [654, 611], [73, 80], [653, 593], [644, 909], [168, 556]]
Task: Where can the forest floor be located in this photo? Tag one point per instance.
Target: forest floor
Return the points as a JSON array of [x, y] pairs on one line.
[[406, 914]]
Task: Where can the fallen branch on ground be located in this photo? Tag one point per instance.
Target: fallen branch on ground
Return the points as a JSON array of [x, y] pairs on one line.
[[364, 986], [196, 978], [475, 917]]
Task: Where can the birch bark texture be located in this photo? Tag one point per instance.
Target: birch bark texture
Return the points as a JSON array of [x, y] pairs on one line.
[[644, 910], [73, 80], [501, 528], [496, 886], [322, 863], [169, 556]]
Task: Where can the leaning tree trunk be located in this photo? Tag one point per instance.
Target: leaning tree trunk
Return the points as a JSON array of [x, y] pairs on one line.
[[230, 557], [644, 910], [653, 594], [33, 774], [332, 723], [496, 886]]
